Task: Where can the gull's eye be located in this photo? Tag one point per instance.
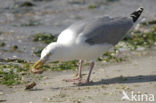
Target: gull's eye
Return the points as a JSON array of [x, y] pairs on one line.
[[49, 54], [46, 57]]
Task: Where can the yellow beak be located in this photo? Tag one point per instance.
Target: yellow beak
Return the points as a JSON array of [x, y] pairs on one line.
[[36, 67], [38, 64]]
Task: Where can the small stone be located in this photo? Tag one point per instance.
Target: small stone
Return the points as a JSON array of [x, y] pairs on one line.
[[1, 93], [30, 86]]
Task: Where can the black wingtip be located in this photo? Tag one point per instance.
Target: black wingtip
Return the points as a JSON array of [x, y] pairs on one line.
[[136, 14]]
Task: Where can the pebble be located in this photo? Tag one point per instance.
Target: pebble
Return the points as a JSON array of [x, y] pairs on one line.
[[30, 86], [1, 93]]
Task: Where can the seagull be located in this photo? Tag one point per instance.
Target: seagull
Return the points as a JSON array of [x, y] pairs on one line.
[[87, 40]]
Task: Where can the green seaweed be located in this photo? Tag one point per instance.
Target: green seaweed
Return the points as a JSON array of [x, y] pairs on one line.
[[112, 57], [31, 23], [58, 66], [2, 44], [8, 76], [152, 22], [72, 65], [142, 39], [93, 6], [1, 32], [38, 52], [10, 73], [44, 38], [27, 4], [15, 47], [14, 60]]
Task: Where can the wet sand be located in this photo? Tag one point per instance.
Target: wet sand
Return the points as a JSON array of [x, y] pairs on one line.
[[108, 82]]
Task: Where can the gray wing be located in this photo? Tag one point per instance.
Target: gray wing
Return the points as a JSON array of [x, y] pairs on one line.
[[111, 32], [103, 30], [81, 26]]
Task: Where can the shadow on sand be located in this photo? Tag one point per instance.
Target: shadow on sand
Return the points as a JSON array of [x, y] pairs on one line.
[[122, 80]]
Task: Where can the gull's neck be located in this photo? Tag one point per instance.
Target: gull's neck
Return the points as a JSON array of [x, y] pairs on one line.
[[61, 52]]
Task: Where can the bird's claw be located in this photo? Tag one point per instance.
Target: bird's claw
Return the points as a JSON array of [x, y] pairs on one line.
[[84, 82]]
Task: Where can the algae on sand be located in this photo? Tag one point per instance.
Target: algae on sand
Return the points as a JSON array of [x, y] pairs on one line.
[[44, 38], [142, 39], [8, 76]]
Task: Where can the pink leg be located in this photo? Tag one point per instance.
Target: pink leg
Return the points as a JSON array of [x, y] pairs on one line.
[[90, 71], [79, 74]]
